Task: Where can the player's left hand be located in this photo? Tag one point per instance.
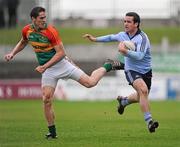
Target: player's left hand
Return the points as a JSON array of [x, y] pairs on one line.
[[40, 69]]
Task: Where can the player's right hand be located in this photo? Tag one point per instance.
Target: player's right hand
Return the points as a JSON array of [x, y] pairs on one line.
[[8, 57], [122, 49], [90, 37], [40, 68]]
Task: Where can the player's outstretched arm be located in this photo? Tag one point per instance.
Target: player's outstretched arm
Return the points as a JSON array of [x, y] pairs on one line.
[[20, 46], [90, 37]]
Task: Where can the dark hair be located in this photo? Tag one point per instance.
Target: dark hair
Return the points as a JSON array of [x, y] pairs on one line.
[[35, 11], [135, 16]]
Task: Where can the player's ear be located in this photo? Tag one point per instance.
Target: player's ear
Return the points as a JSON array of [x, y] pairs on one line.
[[136, 24], [33, 18]]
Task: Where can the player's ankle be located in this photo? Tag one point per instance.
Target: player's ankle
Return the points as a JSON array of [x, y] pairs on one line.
[[108, 67]]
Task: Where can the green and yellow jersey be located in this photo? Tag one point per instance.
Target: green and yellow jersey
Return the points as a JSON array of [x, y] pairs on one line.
[[42, 41]]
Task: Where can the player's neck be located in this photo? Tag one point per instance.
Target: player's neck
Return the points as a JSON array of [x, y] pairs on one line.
[[37, 28], [132, 33]]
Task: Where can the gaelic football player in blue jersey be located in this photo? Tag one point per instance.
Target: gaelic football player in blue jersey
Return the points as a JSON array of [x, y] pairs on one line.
[[138, 69]]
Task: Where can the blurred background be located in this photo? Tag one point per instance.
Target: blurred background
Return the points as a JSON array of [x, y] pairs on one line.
[[160, 20]]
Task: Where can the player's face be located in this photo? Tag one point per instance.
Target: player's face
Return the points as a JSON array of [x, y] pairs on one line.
[[40, 21], [129, 25]]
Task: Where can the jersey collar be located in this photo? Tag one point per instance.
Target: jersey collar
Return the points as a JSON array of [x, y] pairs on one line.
[[36, 29], [131, 37]]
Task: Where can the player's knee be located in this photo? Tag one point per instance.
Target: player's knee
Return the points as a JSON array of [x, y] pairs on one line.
[[88, 82], [89, 86], [47, 100], [144, 91], [91, 83]]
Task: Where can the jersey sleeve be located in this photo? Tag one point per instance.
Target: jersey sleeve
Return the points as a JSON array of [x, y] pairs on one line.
[[55, 39], [24, 32], [110, 38]]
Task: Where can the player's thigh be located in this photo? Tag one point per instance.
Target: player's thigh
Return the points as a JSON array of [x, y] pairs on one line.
[[68, 70], [140, 86], [77, 74], [49, 77], [148, 79], [136, 80], [84, 80]]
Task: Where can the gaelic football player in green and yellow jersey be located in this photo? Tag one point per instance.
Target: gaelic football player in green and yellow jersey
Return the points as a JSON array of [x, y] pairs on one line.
[[53, 62]]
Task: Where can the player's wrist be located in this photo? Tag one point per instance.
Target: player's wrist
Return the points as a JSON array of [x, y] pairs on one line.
[[95, 39]]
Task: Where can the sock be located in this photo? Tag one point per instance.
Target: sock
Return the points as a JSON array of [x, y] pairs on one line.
[[107, 66], [125, 101], [52, 130], [147, 117]]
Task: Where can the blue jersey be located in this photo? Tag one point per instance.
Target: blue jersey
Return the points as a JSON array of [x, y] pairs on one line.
[[138, 60]]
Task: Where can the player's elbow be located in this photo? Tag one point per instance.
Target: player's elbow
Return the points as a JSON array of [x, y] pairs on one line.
[[135, 55]]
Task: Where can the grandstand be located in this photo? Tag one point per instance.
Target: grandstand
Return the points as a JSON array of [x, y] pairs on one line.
[[165, 12]]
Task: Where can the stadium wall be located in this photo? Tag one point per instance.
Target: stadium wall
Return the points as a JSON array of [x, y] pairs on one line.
[[163, 87]]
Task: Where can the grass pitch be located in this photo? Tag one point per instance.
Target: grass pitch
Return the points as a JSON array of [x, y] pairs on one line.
[[74, 35], [88, 124]]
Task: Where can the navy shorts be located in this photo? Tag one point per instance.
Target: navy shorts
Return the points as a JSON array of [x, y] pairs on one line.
[[131, 76]]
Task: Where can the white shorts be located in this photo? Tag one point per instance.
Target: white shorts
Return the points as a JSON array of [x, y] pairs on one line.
[[63, 69]]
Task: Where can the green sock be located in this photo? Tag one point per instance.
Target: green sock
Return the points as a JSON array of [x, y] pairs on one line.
[[107, 66]]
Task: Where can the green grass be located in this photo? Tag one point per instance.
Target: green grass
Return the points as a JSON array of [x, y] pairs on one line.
[[87, 124], [74, 35]]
